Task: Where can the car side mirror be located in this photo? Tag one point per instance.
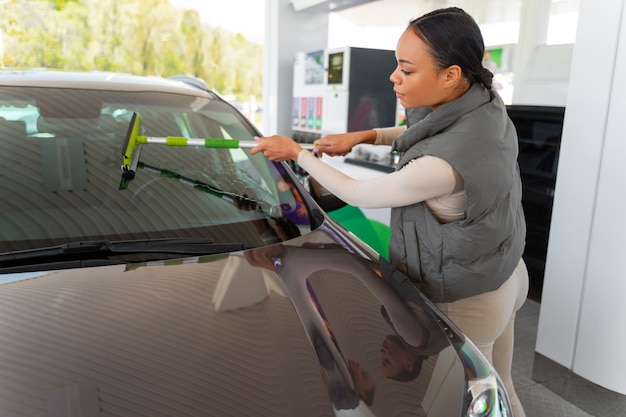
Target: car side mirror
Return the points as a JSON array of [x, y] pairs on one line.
[[327, 200]]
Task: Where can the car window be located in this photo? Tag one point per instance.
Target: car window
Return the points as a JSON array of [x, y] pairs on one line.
[[60, 172]]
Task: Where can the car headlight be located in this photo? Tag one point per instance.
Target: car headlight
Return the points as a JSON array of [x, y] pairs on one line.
[[486, 395], [488, 398]]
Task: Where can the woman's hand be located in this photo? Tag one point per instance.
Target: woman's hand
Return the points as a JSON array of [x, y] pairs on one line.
[[277, 148], [342, 144]]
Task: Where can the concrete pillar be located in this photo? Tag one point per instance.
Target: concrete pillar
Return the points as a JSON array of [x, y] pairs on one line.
[[533, 31], [287, 31], [581, 324]]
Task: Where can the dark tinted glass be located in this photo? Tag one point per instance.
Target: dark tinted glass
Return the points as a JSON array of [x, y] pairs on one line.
[[539, 130], [60, 172], [539, 146]]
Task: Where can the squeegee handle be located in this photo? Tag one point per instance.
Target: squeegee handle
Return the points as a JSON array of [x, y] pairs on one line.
[[181, 141], [206, 143], [251, 144]]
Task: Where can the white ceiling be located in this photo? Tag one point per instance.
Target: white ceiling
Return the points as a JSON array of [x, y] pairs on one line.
[[400, 12], [376, 23]]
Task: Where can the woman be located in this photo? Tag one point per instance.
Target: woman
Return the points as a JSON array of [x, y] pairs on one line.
[[457, 225]]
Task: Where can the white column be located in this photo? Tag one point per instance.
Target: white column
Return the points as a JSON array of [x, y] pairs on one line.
[[287, 31], [581, 324], [533, 31]]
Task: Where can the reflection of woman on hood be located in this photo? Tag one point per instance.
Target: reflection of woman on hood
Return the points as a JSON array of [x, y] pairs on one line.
[[348, 382], [399, 361], [402, 354]]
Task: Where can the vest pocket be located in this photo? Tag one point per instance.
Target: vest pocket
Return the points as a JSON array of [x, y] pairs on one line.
[[423, 250]]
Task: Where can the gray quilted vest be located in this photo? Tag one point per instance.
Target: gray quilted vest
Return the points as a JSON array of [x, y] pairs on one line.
[[477, 254]]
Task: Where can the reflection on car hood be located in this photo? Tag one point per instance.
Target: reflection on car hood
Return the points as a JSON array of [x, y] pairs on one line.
[[300, 329]]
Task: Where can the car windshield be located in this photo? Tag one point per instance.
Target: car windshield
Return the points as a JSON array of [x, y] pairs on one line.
[[61, 153]]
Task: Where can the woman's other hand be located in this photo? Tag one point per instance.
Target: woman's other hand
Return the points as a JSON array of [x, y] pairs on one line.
[[277, 148], [342, 144]]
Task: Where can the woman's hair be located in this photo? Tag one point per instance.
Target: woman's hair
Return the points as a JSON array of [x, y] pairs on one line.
[[454, 38], [408, 375]]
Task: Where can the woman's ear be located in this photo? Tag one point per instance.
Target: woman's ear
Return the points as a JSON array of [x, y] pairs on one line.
[[453, 75], [409, 363]]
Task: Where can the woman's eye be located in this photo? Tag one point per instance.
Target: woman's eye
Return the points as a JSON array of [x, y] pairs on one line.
[[405, 72]]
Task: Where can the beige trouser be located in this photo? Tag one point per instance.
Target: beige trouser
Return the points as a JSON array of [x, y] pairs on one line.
[[488, 320]]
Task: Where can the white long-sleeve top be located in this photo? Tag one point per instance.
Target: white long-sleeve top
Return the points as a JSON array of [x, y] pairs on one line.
[[428, 178]]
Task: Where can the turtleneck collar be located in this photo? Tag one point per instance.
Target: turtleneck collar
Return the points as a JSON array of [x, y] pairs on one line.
[[423, 122]]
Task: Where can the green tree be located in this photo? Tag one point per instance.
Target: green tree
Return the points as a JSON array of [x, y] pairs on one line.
[[62, 4], [106, 23], [193, 42], [146, 37]]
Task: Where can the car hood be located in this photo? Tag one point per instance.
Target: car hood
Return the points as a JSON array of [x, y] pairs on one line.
[[298, 329]]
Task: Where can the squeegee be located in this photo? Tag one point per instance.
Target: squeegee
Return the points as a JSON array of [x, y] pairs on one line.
[[133, 139]]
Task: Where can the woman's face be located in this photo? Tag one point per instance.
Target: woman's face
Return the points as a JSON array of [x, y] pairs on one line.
[[363, 380], [418, 82], [395, 358]]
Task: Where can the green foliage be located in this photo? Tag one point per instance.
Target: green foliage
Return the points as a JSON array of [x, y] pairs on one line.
[[62, 4], [145, 37]]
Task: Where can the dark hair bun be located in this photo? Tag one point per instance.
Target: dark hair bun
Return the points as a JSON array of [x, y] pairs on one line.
[[485, 77]]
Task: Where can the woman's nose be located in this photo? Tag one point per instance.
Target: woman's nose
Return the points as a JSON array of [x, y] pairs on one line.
[[393, 77]]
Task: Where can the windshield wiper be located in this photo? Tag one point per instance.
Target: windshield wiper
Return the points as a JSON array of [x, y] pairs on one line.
[[94, 249]]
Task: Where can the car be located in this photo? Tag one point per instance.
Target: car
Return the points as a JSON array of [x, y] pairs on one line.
[[151, 266]]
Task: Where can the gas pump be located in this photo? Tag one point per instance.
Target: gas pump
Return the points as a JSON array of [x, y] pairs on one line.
[[342, 90], [345, 90]]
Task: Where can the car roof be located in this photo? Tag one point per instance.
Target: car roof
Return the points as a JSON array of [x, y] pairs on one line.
[[104, 80]]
